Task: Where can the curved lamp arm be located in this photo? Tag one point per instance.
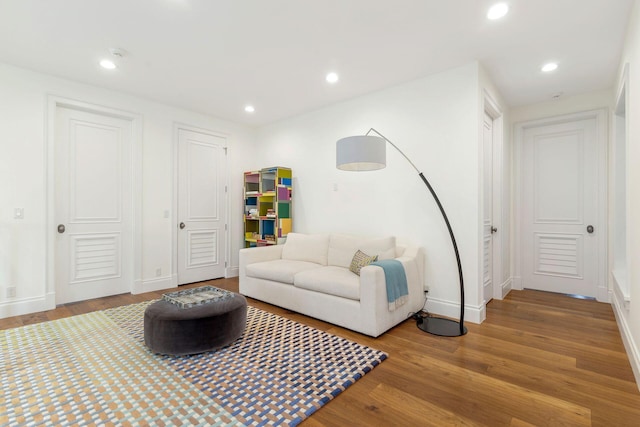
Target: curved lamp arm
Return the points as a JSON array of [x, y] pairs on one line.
[[435, 325]]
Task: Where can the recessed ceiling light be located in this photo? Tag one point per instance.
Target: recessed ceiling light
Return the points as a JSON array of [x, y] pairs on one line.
[[497, 11], [332, 77], [107, 64], [551, 66], [249, 109]]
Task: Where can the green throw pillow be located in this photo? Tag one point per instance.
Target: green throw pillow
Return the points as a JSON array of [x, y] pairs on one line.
[[360, 259]]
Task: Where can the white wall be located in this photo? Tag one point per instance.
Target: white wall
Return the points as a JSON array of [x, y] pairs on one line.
[[434, 120], [564, 105], [23, 105], [629, 317]]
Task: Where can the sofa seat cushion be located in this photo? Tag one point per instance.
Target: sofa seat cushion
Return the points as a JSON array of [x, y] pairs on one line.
[[338, 281], [280, 270]]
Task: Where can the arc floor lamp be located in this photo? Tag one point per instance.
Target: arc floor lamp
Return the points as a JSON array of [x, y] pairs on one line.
[[368, 152]]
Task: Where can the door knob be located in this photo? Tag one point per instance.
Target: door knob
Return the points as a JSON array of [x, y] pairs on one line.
[[182, 225], [61, 228], [494, 230], [589, 229]]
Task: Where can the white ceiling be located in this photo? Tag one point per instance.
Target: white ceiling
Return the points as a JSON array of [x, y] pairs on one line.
[[216, 56]]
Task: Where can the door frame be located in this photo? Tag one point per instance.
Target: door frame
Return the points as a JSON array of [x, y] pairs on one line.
[[500, 288], [174, 212], [600, 116], [135, 165]]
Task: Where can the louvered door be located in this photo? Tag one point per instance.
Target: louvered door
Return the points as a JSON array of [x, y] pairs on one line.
[[560, 194], [93, 205], [201, 206]]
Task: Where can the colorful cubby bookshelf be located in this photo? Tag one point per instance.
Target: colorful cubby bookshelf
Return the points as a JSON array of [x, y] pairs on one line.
[[267, 206]]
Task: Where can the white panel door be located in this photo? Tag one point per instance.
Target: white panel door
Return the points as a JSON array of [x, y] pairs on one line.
[[93, 253], [560, 194], [487, 222], [201, 206]]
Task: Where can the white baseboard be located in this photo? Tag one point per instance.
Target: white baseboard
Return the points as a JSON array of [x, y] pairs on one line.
[[516, 283], [473, 314], [507, 286], [627, 338], [155, 284], [620, 290], [18, 307], [137, 287], [480, 313], [603, 294], [232, 272]]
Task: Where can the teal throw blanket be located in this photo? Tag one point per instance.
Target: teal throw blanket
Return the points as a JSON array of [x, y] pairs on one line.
[[396, 281]]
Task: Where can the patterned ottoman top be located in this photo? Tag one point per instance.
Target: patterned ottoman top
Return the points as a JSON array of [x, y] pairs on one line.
[[197, 296]]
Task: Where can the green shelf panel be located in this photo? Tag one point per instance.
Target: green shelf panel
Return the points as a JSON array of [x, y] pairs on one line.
[[284, 210]]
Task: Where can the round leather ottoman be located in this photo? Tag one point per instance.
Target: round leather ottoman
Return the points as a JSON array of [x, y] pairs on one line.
[[169, 329]]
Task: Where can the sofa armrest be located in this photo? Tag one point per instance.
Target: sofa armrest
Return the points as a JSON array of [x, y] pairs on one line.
[[259, 254], [262, 253], [373, 290], [373, 284], [416, 254], [412, 258]]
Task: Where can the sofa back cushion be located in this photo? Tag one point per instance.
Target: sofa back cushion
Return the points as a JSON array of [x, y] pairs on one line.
[[342, 248], [306, 247]]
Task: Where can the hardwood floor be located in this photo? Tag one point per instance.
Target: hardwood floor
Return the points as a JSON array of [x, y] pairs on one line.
[[539, 359]]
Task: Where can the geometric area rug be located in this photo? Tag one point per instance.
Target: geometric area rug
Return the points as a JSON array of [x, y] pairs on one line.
[[94, 369]]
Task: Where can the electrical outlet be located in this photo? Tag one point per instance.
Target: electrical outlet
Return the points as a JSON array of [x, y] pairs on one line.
[[11, 291], [158, 272]]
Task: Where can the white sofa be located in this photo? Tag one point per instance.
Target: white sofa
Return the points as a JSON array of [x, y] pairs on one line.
[[310, 274]]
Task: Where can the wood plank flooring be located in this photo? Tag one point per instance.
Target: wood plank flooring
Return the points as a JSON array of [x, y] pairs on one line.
[[539, 359]]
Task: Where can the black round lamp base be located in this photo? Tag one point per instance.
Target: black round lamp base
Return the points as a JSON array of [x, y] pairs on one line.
[[441, 327]]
